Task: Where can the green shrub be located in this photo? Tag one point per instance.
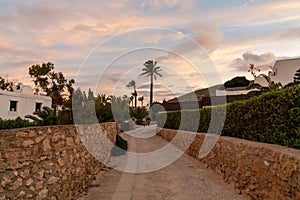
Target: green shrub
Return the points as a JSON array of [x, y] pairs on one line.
[[120, 147], [15, 123], [273, 117]]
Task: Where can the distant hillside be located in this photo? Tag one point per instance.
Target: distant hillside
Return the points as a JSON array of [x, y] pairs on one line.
[[211, 91]]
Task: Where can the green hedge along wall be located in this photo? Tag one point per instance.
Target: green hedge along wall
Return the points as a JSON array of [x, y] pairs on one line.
[[272, 117]]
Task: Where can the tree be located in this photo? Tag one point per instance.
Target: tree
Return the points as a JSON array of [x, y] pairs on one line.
[[139, 114], [9, 85], [6, 85], [253, 70], [239, 81], [150, 69], [54, 84], [45, 117], [133, 85], [103, 108], [103, 99], [141, 99], [131, 100], [90, 95], [297, 76]]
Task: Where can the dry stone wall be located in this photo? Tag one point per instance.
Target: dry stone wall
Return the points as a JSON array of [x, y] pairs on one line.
[[256, 170], [51, 162]]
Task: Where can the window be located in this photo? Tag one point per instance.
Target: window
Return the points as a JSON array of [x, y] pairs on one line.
[[13, 106], [38, 107]]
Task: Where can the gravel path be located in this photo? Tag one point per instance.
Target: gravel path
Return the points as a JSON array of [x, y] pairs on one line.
[[186, 178]]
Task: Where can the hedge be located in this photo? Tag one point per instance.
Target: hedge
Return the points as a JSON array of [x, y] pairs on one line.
[[15, 123], [273, 117]]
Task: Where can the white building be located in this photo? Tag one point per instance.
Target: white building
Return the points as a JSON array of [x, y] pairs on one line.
[[21, 102], [283, 71]]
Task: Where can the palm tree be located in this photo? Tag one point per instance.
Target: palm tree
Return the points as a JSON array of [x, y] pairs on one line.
[[132, 84], [102, 99], [151, 70], [141, 99]]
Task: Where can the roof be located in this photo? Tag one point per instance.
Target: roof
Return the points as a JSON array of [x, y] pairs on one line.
[[286, 60], [205, 92]]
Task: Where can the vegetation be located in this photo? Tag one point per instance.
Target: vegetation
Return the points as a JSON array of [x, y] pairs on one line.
[[141, 99], [54, 84], [297, 77], [272, 117], [120, 147], [253, 70], [155, 108], [15, 123], [103, 108], [138, 114], [134, 94], [239, 81], [45, 117], [150, 69], [8, 85], [271, 84]]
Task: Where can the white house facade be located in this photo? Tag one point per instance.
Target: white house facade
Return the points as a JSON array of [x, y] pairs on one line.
[[283, 71], [21, 102]]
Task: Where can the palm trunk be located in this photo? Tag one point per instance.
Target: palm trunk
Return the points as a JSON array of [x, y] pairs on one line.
[[135, 100], [151, 91]]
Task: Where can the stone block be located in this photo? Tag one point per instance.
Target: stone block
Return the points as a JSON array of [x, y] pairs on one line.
[[53, 180], [16, 184], [46, 145], [22, 134], [28, 143], [42, 194]]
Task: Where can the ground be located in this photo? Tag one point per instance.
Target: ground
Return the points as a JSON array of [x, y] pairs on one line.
[[186, 178]]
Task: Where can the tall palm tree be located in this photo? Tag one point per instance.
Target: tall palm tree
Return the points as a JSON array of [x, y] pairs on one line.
[[133, 85], [151, 70], [141, 99]]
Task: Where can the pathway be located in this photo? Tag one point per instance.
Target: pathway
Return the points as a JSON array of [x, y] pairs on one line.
[[186, 178]]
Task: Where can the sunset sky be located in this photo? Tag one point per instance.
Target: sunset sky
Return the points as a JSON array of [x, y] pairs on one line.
[[103, 44]]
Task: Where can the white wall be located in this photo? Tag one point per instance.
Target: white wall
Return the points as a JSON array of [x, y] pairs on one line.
[[26, 102], [283, 72]]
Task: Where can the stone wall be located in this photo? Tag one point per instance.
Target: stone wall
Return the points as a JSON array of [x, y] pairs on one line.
[[256, 170], [50, 162]]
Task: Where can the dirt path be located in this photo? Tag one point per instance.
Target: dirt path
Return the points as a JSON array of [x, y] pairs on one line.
[[185, 179]]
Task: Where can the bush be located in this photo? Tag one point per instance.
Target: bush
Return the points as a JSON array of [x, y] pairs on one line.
[[273, 117], [239, 81], [120, 147], [15, 123]]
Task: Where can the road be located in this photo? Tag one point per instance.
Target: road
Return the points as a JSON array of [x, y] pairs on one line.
[[186, 178]]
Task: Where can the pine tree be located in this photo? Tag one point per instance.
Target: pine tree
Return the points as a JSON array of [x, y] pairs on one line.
[[297, 76]]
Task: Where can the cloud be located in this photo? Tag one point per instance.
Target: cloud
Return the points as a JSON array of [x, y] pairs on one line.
[[206, 39], [263, 61], [292, 33], [248, 3]]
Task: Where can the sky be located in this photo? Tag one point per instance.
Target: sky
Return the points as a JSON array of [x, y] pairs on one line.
[[103, 44]]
